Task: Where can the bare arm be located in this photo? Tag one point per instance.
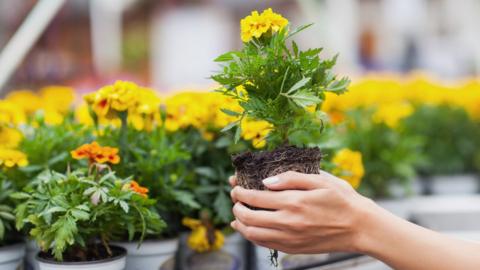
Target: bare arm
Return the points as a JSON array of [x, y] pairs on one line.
[[321, 213]]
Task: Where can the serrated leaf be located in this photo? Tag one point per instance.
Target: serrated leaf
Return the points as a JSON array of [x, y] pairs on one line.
[[304, 99], [298, 85], [80, 214], [124, 206], [55, 209]]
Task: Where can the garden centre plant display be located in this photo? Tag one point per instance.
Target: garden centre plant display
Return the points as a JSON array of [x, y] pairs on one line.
[[74, 215], [284, 89]]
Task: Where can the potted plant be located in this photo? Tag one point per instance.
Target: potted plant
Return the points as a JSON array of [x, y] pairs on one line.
[[129, 117], [196, 118], [283, 88], [73, 216], [12, 247]]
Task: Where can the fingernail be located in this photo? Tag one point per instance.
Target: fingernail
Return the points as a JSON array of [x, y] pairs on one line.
[[271, 180], [232, 224]]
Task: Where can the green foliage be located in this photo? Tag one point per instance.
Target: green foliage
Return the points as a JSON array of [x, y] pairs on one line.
[[67, 213], [48, 147], [284, 86], [7, 217], [157, 160], [389, 155], [211, 166], [450, 139]]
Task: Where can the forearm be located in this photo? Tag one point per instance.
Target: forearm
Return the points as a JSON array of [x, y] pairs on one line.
[[404, 245]]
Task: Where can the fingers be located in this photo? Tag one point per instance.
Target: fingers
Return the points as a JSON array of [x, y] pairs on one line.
[[298, 181], [232, 180], [259, 234], [258, 218], [260, 198]]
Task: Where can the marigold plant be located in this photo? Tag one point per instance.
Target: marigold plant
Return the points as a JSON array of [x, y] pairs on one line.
[[69, 214], [280, 83]]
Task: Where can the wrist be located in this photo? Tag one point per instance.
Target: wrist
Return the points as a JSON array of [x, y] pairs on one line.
[[371, 222]]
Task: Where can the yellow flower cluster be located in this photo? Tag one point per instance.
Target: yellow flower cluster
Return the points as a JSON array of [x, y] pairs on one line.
[[199, 239], [255, 25], [53, 102], [10, 137], [11, 114], [10, 158], [142, 105], [394, 97], [349, 166], [200, 110], [256, 131]]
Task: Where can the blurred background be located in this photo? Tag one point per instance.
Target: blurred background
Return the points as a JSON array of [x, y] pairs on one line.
[[170, 44]]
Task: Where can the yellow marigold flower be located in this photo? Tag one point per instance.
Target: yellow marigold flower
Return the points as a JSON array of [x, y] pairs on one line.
[[349, 166], [277, 21], [82, 115], [52, 116], [10, 158], [391, 114], [118, 97], [256, 131], [198, 240], [58, 97], [11, 113], [10, 137], [27, 100], [255, 24]]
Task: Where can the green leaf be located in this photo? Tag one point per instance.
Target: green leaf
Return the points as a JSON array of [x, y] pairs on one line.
[[298, 85], [230, 112], [223, 205], [80, 214], [186, 199], [304, 99], [20, 196], [298, 30], [229, 126], [55, 209], [2, 230], [225, 57], [58, 158], [124, 206], [206, 171], [238, 133]]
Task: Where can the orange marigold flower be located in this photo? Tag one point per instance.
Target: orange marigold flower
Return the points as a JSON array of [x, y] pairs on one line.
[[135, 187], [96, 153]]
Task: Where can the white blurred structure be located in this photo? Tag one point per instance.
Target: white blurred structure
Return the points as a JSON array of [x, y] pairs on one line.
[[184, 43]]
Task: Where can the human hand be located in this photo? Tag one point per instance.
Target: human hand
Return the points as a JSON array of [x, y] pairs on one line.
[[309, 213]]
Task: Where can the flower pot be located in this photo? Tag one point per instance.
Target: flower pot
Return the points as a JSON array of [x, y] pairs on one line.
[[11, 256], [236, 246], [31, 252], [117, 262], [151, 254]]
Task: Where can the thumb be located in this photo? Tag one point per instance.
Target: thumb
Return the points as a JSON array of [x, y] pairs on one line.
[[295, 181]]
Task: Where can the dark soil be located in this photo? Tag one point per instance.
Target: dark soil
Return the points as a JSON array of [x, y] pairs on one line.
[[89, 254], [252, 168]]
